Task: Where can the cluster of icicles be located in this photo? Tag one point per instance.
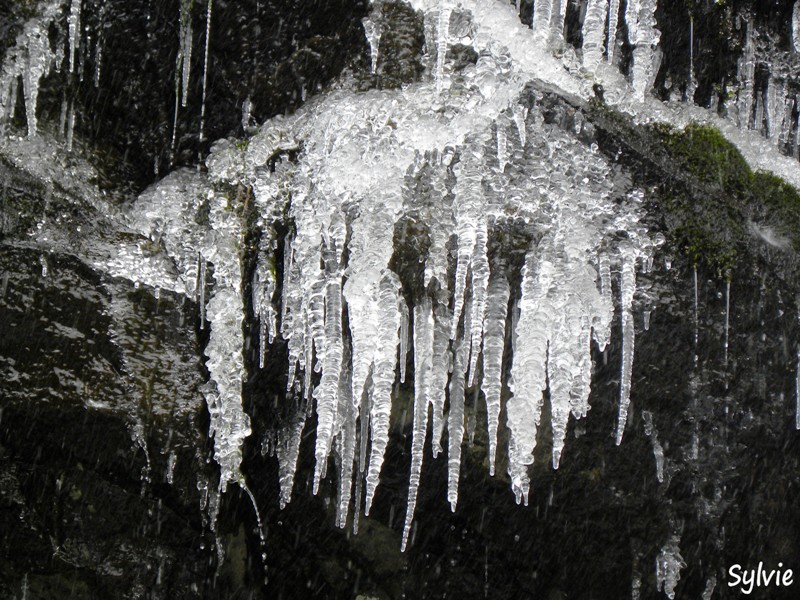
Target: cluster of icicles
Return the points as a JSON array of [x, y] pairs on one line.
[[470, 166]]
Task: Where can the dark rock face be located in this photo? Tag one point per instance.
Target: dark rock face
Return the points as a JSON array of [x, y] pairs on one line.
[[104, 458]]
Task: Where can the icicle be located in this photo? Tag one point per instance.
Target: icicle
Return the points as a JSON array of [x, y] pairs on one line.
[[205, 71], [593, 26], [442, 41], [493, 346], [455, 418], [696, 317], [202, 292], [186, 48], [658, 450], [287, 451], [528, 372], [668, 567], [404, 337], [644, 37], [98, 61], [628, 288], [347, 415], [373, 32], [30, 60], [264, 285], [423, 353], [520, 114], [326, 394], [569, 376], [796, 141], [70, 126], [315, 319], [470, 217], [175, 111], [727, 316], [746, 75], [542, 12], [392, 317], [613, 19], [796, 26], [691, 87], [711, 585], [440, 366], [559, 17], [502, 148], [74, 22], [786, 122], [480, 281], [773, 95], [229, 423], [797, 394]]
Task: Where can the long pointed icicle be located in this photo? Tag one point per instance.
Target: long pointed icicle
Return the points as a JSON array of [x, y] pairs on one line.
[[74, 23], [404, 338], [186, 49], [373, 32], [727, 317], [441, 365], [569, 370], [346, 441], [628, 288], [205, 70], [528, 372], [423, 352], [383, 377], [455, 418], [327, 393], [493, 345]]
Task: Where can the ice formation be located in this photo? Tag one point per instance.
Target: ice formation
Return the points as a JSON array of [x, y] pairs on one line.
[[368, 164], [658, 450], [668, 567], [28, 61], [74, 31]]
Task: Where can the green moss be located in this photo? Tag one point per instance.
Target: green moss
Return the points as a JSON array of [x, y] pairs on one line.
[[705, 153], [712, 194]]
